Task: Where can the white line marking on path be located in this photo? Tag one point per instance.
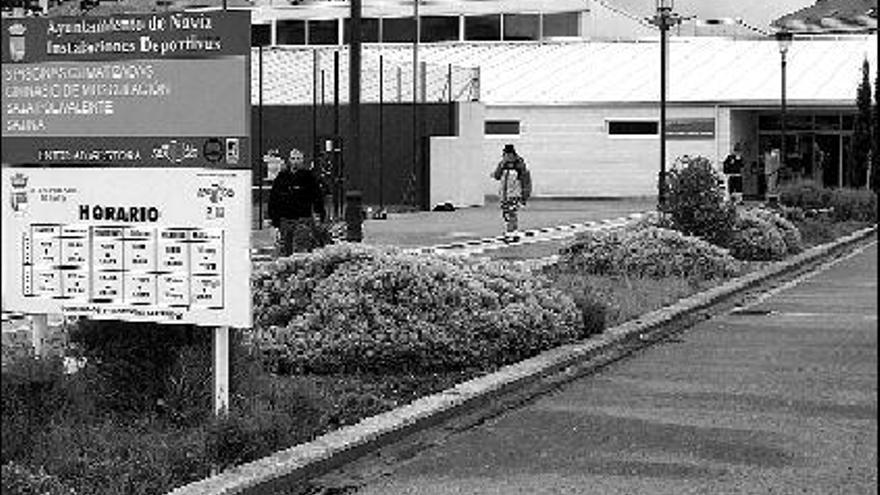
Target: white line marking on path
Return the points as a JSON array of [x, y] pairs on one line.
[[802, 278]]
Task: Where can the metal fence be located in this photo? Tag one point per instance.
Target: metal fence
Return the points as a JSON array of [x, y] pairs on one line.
[[306, 75]]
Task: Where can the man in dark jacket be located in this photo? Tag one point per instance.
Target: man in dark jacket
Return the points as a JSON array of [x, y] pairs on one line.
[[294, 201]]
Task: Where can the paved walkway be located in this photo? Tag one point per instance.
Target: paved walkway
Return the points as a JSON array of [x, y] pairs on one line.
[[779, 397], [429, 228]]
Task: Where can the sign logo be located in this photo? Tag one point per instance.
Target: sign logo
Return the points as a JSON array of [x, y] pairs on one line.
[[213, 150], [17, 47], [216, 192], [175, 151], [232, 151], [19, 197]]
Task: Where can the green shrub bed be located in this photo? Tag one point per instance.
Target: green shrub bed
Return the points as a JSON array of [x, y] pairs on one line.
[[352, 308], [648, 251]]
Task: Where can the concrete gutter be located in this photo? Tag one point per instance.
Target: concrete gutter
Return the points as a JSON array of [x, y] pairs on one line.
[[293, 467]]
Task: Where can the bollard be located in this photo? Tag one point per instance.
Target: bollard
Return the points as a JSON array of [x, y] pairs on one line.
[[354, 216]]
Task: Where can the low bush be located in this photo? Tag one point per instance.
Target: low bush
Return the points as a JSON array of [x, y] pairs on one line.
[[854, 204], [352, 308], [844, 204], [20, 480], [32, 394], [790, 234], [804, 194], [756, 238], [648, 251], [695, 200]]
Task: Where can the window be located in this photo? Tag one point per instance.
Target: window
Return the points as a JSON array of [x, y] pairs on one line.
[[369, 30], [561, 24], [633, 128], [482, 28], [521, 27], [398, 29], [261, 35], [323, 32], [503, 127], [291, 32], [439, 28]]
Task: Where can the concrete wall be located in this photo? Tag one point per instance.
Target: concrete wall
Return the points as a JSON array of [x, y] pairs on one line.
[[456, 170], [571, 154]]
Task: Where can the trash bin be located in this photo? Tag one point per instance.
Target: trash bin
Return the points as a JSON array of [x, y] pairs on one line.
[[354, 216]]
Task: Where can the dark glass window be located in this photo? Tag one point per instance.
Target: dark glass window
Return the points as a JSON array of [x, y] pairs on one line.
[[501, 127], [482, 28], [439, 28], [632, 128], [521, 27], [561, 24], [827, 122], [768, 123], [323, 32], [398, 29], [261, 35], [849, 122], [291, 32], [369, 30]]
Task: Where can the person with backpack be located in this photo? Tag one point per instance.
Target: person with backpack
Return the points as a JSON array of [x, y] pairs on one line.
[[294, 201], [514, 190]]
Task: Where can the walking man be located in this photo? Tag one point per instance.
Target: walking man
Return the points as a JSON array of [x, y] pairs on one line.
[[294, 201], [514, 189]]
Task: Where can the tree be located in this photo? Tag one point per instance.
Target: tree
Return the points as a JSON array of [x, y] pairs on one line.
[[875, 143], [862, 132]]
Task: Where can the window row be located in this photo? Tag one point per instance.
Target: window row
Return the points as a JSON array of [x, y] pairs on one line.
[[494, 27], [675, 128]]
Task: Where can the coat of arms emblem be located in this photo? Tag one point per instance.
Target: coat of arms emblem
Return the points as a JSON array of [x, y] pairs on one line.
[[17, 47], [19, 196]]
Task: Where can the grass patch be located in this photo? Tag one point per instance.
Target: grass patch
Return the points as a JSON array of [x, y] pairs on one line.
[[626, 298]]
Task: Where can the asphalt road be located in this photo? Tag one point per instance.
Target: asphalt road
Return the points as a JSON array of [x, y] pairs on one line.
[[776, 398]]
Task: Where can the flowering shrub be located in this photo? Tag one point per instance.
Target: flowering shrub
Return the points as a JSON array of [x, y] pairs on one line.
[[648, 251], [353, 308], [695, 200], [790, 233], [755, 238]]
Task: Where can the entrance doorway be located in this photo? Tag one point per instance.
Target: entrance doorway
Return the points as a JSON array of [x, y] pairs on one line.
[[827, 160]]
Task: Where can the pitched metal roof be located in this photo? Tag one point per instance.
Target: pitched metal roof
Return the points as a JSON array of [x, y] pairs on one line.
[[821, 70], [835, 16]]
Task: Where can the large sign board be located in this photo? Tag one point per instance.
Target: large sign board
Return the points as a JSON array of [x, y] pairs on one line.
[[125, 248], [126, 176], [157, 89]]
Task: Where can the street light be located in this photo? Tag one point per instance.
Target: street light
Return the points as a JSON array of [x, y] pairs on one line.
[[783, 38], [664, 19]]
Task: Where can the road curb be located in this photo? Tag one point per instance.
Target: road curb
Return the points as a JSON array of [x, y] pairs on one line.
[[291, 467]]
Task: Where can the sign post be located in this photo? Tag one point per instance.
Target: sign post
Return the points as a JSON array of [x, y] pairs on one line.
[[126, 175], [221, 370]]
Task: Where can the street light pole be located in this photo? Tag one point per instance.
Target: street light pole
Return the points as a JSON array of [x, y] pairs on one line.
[[784, 39], [664, 19]]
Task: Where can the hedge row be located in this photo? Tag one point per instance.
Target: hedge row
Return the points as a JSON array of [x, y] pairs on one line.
[[353, 308]]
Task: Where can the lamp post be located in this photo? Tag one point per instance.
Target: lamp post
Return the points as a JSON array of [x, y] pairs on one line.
[[783, 38], [664, 19]]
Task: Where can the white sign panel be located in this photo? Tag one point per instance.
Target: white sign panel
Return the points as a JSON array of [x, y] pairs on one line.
[[154, 244]]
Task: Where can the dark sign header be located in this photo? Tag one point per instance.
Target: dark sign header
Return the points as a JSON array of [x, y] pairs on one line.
[[126, 36]]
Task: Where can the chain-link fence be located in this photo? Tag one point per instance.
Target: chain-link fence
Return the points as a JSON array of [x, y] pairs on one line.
[[306, 75]]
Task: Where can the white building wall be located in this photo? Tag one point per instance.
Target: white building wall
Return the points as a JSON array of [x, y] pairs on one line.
[[570, 153], [456, 174]]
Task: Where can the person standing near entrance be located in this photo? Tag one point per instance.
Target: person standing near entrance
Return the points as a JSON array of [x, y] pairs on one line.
[[733, 170], [514, 189], [294, 201]]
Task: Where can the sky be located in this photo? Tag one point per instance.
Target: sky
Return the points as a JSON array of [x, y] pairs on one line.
[[758, 13]]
